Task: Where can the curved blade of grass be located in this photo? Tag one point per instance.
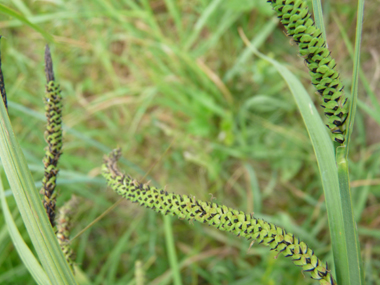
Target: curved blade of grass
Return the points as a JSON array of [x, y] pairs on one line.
[[26, 255], [175, 13], [324, 153], [14, 14], [170, 248], [374, 114], [30, 206], [201, 23], [257, 199], [257, 42]]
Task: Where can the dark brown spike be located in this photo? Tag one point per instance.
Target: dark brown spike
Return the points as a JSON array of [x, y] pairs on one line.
[[48, 65], [2, 85]]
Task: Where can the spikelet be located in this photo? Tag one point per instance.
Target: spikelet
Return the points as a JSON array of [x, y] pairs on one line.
[[63, 223]]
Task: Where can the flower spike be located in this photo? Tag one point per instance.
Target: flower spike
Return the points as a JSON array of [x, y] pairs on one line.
[[295, 16], [218, 216], [53, 136]]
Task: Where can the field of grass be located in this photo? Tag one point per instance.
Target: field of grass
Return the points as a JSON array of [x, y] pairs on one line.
[[172, 84]]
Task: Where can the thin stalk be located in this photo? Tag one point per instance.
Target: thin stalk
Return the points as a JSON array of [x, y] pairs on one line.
[[318, 17], [172, 255], [355, 72], [355, 272]]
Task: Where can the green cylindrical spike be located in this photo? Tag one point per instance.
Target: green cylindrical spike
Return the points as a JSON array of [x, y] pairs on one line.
[[220, 217], [53, 137], [295, 16]]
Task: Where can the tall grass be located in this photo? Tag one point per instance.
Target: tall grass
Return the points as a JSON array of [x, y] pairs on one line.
[[144, 74]]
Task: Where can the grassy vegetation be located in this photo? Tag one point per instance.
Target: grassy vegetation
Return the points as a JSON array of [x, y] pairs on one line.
[[173, 84]]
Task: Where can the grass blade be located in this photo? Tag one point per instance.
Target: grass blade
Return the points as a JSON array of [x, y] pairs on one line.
[[26, 255], [176, 15], [257, 42], [200, 23], [81, 136], [257, 199], [355, 272], [318, 17], [171, 251], [374, 114], [14, 14], [372, 96], [355, 72], [30, 206]]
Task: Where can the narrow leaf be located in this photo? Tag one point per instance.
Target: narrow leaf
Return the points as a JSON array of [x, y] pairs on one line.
[[318, 17], [14, 14], [26, 255]]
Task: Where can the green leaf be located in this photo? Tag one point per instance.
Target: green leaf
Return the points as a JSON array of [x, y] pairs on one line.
[[201, 23], [26, 255], [30, 206], [14, 14]]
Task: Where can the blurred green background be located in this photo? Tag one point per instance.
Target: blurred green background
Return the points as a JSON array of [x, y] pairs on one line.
[[155, 75]]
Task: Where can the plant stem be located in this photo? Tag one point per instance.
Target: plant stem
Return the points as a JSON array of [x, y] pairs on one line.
[[355, 274], [173, 260]]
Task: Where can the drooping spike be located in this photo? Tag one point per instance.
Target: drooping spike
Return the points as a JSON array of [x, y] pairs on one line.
[[295, 16], [220, 217]]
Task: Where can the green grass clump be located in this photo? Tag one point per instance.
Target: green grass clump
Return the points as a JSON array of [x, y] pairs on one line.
[[146, 75]]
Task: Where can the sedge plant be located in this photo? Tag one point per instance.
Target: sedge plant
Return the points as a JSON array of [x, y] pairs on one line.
[[295, 16], [339, 110]]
